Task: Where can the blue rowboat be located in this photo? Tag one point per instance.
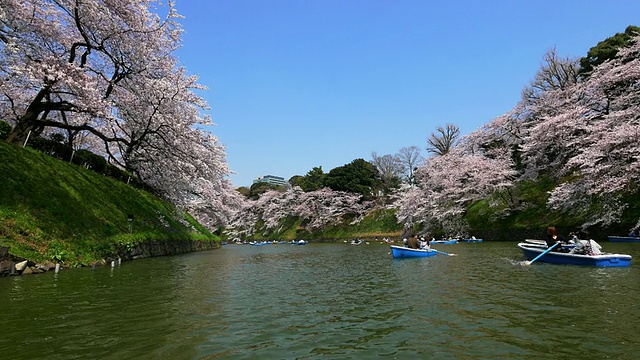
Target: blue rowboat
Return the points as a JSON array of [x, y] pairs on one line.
[[471, 240], [405, 252], [446, 242], [604, 260], [623, 238]]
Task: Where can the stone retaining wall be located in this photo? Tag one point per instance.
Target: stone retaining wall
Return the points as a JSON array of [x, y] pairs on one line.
[[162, 248], [13, 265]]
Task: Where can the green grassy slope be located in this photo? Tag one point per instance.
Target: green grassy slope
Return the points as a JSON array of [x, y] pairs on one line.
[[50, 209]]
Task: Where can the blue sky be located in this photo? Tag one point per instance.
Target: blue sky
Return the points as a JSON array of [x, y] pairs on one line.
[[295, 84]]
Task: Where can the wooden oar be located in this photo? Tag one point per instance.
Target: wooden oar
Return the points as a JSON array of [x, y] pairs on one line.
[[539, 256]]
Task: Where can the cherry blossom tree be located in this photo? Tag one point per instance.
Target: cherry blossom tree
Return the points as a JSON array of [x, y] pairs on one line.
[[411, 205], [604, 116], [243, 220], [460, 177], [104, 70], [274, 206], [62, 60], [317, 210], [447, 184], [581, 132], [324, 207]]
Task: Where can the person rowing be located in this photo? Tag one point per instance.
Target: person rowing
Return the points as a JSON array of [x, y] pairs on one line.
[[413, 242]]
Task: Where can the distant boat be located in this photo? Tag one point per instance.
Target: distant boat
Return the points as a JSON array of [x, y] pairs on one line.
[[299, 242], [471, 240], [405, 252], [623, 238], [603, 260], [446, 242]]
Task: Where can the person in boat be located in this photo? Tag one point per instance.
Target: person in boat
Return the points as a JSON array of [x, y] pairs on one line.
[[554, 237], [413, 242], [425, 243], [586, 247], [633, 233], [573, 238]]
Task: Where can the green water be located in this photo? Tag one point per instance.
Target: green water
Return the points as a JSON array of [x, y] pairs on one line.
[[327, 301]]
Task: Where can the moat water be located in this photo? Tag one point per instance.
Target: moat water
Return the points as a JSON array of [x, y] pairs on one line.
[[327, 301]]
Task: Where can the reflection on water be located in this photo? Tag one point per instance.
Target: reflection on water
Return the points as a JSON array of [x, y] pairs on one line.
[[326, 301]]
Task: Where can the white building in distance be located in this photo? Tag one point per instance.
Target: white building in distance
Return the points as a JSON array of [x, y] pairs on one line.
[[272, 180]]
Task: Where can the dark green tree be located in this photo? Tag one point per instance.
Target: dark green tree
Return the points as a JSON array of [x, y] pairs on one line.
[[607, 49], [245, 191], [313, 180], [295, 180], [359, 176], [5, 129]]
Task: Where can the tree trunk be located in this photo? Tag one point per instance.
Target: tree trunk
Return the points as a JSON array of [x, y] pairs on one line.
[[19, 133], [28, 121]]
